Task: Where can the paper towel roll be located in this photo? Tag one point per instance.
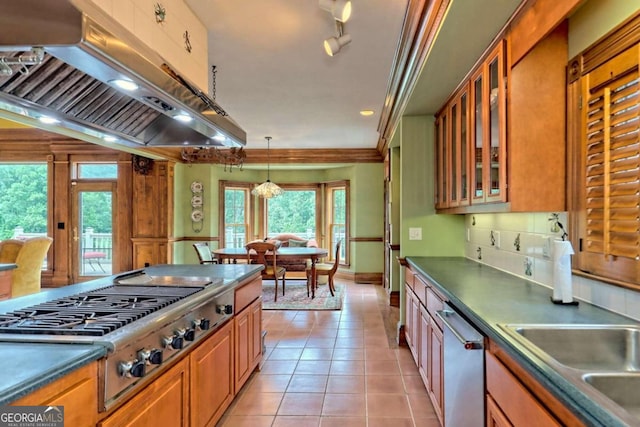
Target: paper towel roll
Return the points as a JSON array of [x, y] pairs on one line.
[[562, 287]]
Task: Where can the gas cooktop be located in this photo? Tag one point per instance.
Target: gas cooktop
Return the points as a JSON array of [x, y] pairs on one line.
[[94, 313]]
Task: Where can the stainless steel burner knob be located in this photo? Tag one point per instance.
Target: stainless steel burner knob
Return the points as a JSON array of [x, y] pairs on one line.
[[190, 334], [175, 341], [125, 369], [135, 368], [155, 357], [205, 324], [225, 309], [143, 355]]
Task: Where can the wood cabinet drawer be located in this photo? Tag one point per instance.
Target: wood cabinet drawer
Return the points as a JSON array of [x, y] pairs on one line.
[[409, 277], [420, 288], [434, 303], [514, 400], [247, 293]]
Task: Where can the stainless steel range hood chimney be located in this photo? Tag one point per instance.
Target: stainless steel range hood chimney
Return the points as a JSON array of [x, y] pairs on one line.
[[84, 53]]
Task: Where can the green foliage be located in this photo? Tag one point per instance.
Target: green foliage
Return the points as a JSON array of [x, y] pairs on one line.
[[23, 198], [96, 211], [292, 212]]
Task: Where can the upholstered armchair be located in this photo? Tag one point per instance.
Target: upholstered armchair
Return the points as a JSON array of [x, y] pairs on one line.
[[9, 250], [26, 279]]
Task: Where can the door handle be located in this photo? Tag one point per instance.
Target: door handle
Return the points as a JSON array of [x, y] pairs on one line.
[[75, 234]]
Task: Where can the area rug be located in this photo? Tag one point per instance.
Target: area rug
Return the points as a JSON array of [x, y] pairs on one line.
[[295, 297]]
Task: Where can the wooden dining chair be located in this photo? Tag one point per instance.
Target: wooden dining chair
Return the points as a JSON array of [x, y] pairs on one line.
[[325, 269], [204, 253], [265, 254]]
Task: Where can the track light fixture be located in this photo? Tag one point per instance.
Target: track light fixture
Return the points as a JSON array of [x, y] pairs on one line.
[[340, 9], [332, 45]]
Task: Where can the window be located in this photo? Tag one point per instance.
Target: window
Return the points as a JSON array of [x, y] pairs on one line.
[[608, 205], [295, 212], [23, 200], [337, 218], [311, 211], [97, 170], [236, 216]]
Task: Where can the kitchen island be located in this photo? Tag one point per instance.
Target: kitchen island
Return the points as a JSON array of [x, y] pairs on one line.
[[34, 366], [489, 298]]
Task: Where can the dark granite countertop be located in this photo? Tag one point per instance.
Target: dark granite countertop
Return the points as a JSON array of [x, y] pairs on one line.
[[489, 297], [4, 267], [29, 366]]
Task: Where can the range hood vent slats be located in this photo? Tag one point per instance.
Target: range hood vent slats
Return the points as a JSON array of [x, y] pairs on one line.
[[71, 81]]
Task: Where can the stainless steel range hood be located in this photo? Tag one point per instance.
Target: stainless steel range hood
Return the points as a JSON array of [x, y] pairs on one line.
[[85, 53]]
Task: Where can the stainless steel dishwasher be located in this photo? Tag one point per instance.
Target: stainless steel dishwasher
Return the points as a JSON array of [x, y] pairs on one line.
[[463, 371]]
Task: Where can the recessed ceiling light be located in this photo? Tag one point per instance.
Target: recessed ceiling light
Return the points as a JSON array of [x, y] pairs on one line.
[[48, 120], [124, 84], [183, 117], [110, 138], [219, 138], [366, 112]]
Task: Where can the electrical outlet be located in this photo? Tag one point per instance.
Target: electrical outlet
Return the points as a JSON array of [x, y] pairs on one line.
[[415, 233]]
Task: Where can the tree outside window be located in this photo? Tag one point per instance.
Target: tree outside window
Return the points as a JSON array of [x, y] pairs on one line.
[[23, 200]]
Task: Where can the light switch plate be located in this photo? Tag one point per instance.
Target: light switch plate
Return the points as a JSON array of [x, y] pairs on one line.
[[415, 233]]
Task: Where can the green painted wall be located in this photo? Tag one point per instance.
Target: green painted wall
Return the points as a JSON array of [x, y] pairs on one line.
[[442, 235], [594, 19], [366, 190]]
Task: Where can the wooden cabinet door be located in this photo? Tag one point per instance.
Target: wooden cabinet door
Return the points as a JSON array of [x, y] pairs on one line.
[[248, 342], [256, 332], [243, 341], [436, 378], [496, 126], [212, 378], [423, 353], [488, 130], [495, 417], [408, 321], [77, 392], [164, 402], [442, 160], [413, 323], [517, 403]]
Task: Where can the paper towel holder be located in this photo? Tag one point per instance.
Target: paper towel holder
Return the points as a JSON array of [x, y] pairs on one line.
[[560, 302]]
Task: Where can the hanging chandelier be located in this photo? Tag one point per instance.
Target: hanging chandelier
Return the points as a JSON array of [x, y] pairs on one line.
[[267, 189], [231, 157]]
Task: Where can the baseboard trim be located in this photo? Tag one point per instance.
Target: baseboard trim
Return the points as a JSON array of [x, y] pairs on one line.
[[394, 298]]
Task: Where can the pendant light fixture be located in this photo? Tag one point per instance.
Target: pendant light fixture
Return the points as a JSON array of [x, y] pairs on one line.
[[267, 189]]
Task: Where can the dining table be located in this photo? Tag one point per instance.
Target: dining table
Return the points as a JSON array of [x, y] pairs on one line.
[[283, 253]]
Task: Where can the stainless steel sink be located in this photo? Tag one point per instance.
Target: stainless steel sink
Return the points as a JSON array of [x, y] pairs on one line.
[[621, 388], [603, 361], [585, 347]]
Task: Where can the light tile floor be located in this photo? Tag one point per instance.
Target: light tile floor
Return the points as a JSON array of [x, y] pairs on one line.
[[334, 369]]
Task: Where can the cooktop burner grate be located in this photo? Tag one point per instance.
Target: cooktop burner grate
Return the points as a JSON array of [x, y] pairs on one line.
[[94, 313]]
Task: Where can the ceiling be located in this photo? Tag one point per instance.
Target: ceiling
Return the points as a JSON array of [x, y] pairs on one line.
[[274, 78]]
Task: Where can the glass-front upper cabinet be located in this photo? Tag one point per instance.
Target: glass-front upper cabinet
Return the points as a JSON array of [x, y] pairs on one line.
[[442, 164], [489, 129], [460, 146]]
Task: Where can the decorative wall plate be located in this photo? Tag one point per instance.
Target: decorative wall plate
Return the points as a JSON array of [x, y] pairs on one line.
[[196, 215], [196, 201], [196, 187]]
